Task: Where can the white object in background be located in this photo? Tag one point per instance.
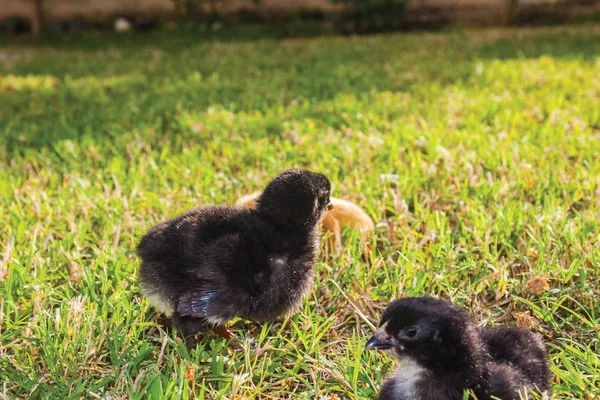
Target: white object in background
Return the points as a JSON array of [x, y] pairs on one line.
[[122, 25]]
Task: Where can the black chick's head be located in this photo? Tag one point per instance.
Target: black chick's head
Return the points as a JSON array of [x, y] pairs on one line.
[[296, 198], [434, 333]]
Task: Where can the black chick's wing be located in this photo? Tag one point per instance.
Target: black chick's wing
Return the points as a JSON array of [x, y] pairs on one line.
[[223, 281], [522, 350]]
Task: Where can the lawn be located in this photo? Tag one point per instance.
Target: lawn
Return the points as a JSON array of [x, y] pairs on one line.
[[477, 153]]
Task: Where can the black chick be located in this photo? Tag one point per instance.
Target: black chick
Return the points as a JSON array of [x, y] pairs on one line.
[[443, 353], [216, 263]]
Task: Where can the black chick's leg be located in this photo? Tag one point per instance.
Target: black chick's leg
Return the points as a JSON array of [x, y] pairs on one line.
[[222, 331], [188, 328]]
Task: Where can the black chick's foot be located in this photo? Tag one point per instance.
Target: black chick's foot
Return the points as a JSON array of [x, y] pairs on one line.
[[226, 334], [188, 328]]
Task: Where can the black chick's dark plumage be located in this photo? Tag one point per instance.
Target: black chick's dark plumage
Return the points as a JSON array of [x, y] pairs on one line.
[[442, 353], [216, 263]]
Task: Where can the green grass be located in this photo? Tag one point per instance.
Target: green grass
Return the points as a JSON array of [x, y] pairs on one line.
[[477, 153]]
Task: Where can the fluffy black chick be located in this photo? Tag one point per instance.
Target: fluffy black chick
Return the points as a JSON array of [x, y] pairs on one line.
[[442, 354], [216, 263]]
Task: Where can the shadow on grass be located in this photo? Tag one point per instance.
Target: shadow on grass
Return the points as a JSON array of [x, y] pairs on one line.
[[170, 40], [560, 45], [103, 86], [553, 41]]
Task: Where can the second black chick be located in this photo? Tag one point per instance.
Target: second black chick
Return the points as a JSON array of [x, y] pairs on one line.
[[216, 263], [442, 354]]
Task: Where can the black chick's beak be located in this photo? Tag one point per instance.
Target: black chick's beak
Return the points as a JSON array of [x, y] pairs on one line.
[[376, 344], [330, 206]]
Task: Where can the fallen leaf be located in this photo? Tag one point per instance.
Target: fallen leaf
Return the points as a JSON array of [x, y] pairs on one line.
[[75, 271], [538, 285], [525, 320], [189, 373]]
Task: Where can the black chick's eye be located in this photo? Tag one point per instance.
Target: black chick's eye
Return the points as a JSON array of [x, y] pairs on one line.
[[411, 333]]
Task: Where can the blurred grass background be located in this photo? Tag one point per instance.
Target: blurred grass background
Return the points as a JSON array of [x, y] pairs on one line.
[[476, 152]]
